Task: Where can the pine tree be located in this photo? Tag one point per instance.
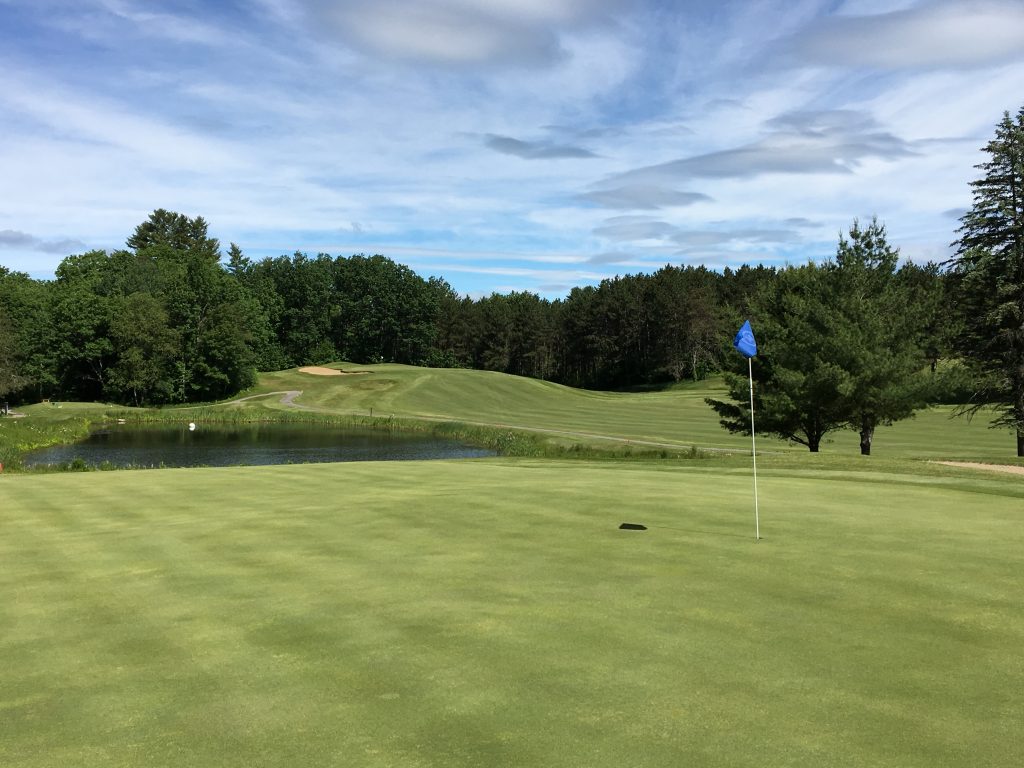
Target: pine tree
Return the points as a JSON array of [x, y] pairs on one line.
[[990, 263], [800, 393], [877, 334], [840, 347]]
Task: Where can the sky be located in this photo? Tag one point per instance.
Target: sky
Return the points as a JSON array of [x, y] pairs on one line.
[[504, 145]]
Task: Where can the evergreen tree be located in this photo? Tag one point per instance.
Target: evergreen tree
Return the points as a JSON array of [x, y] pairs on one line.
[[878, 327], [840, 347], [238, 263], [177, 231], [990, 264], [800, 393]]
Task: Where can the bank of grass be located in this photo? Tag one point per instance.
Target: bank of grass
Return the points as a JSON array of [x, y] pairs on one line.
[[47, 424], [518, 417], [676, 418], [490, 612]]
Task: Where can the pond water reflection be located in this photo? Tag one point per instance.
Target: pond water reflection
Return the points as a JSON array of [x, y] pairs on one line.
[[217, 445]]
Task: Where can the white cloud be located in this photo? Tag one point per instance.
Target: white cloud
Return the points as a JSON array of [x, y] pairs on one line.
[[10, 238], [940, 34], [285, 122], [831, 141], [535, 150], [457, 32], [642, 197], [182, 29], [107, 124]]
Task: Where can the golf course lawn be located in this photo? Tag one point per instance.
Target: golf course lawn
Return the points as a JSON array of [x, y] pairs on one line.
[[675, 417], [491, 613]]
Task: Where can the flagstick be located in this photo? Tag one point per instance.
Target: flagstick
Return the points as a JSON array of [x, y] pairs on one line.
[[753, 449]]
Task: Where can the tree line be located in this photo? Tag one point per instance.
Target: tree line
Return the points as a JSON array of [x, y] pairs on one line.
[[856, 341], [169, 319]]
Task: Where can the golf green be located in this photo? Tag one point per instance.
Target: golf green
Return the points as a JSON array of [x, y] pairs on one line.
[[491, 613]]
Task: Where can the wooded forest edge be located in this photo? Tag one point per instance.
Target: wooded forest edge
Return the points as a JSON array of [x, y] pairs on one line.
[[854, 341]]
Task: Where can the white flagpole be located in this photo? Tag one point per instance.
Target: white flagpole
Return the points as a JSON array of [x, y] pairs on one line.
[[753, 449]]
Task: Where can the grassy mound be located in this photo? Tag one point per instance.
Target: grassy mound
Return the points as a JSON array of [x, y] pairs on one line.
[[495, 410], [676, 418]]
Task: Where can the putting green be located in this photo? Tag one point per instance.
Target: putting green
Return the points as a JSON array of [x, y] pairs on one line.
[[490, 613]]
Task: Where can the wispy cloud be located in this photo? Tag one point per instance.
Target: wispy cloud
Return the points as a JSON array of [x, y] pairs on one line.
[[610, 257], [457, 33], [834, 141], [642, 197], [936, 34], [528, 144], [176, 27], [12, 238], [630, 228], [705, 237], [535, 150]]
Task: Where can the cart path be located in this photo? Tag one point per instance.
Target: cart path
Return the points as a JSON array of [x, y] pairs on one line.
[[287, 398]]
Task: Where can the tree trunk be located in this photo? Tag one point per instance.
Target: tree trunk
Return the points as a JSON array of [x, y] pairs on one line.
[[813, 441], [1020, 441], [867, 432]]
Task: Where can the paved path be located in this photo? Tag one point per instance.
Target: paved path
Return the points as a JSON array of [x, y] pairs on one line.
[[287, 398]]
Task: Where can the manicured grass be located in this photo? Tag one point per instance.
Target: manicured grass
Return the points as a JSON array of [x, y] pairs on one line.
[[490, 613], [676, 417]]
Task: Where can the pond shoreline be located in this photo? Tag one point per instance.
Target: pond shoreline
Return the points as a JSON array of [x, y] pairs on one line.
[[161, 444]]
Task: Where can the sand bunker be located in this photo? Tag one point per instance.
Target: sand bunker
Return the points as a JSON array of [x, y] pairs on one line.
[[1011, 468], [318, 370]]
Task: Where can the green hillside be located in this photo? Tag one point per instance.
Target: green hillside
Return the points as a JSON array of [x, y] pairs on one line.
[[677, 417]]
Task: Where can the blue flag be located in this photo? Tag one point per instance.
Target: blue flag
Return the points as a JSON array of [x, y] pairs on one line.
[[744, 341]]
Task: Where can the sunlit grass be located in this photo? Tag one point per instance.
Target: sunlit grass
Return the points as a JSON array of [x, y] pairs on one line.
[[492, 613], [676, 417], [487, 406]]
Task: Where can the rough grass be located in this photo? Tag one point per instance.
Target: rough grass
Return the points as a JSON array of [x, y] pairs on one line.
[[490, 613]]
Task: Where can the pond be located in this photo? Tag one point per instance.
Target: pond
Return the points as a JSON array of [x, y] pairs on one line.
[[218, 445]]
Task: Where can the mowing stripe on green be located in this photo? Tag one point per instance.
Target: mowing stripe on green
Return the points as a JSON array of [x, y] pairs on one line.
[[491, 613]]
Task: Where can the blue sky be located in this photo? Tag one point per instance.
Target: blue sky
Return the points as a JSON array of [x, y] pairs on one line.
[[502, 144]]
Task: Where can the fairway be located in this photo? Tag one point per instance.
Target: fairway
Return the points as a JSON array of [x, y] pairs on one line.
[[677, 417], [490, 613]]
